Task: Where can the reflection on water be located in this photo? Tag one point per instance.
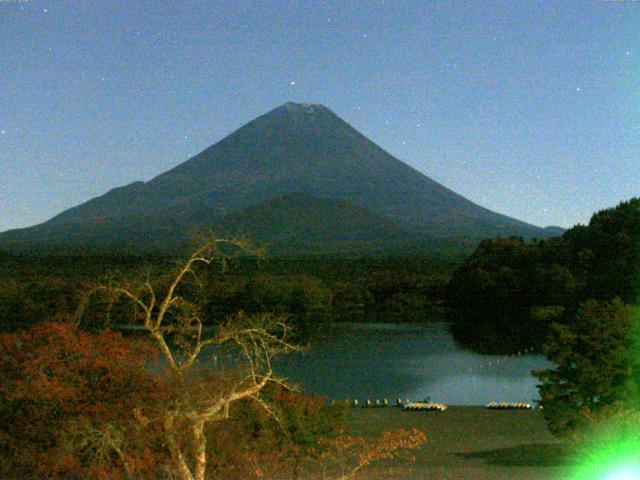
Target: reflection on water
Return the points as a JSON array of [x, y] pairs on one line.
[[389, 360]]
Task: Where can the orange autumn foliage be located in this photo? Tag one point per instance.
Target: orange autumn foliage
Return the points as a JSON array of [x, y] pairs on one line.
[[76, 404], [349, 457], [256, 443], [67, 399]]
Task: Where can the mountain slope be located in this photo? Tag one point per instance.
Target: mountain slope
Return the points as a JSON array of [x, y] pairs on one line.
[[303, 217], [293, 224], [294, 149]]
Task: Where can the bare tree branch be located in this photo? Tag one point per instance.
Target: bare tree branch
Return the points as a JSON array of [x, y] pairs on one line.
[[257, 339]]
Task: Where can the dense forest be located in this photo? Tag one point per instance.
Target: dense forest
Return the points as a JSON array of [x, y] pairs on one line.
[[502, 298], [311, 291], [570, 297], [506, 295]]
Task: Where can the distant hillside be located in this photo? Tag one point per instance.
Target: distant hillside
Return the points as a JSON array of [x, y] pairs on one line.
[[306, 218], [554, 231], [263, 178]]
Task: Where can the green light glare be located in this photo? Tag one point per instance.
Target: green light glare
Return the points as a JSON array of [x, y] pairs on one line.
[[613, 454], [612, 448], [626, 472]]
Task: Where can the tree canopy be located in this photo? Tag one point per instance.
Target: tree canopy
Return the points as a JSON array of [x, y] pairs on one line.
[[507, 293], [597, 365]]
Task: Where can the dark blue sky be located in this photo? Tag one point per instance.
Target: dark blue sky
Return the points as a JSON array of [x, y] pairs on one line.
[[531, 109]]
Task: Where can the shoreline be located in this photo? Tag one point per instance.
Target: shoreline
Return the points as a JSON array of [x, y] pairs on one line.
[[471, 442]]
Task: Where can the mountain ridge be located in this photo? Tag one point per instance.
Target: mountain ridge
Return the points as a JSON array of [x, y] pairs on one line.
[[295, 148]]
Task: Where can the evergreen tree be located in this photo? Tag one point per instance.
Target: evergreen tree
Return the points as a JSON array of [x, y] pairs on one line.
[[597, 365]]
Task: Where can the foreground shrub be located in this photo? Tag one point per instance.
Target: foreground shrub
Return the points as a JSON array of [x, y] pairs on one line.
[[67, 399]]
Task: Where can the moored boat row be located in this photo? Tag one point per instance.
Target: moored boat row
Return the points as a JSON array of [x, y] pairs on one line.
[[428, 405], [369, 403], [509, 406], [425, 406]]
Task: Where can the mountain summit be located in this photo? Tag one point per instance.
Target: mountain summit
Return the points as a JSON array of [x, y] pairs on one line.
[[296, 152]]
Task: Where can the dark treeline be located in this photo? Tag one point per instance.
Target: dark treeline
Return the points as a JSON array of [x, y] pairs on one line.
[[502, 298], [506, 295], [312, 291], [39, 289]]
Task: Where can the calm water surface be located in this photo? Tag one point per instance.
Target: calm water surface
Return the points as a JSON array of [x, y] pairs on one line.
[[378, 360]]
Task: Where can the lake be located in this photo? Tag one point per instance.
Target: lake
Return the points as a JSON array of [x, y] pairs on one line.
[[378, 360]]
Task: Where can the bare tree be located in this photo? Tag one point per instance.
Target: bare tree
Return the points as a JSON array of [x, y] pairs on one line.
[[247, 344]]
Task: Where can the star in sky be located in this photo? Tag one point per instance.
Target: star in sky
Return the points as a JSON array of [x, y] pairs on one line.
[[448, 98]]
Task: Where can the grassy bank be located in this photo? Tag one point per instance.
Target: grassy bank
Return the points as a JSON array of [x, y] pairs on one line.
[[472, 442]]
